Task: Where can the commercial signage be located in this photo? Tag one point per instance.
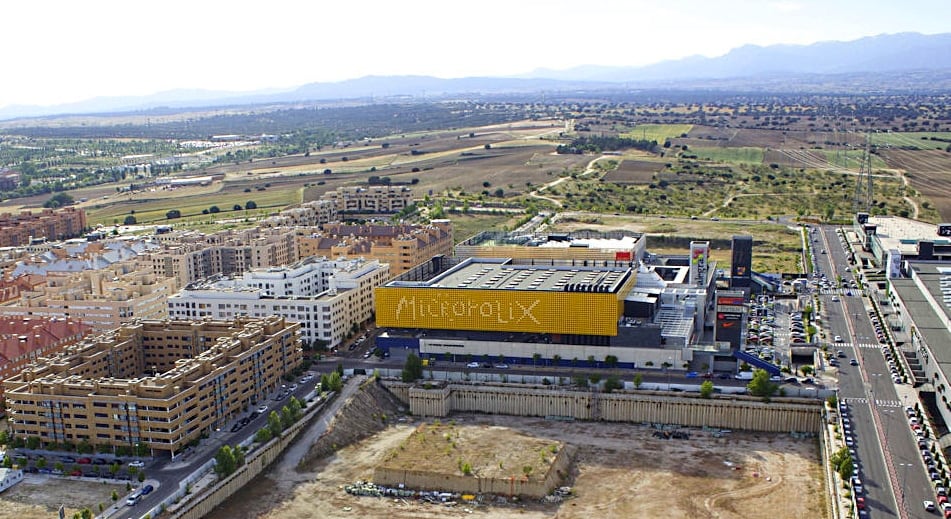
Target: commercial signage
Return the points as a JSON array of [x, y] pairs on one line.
[[581, 313]]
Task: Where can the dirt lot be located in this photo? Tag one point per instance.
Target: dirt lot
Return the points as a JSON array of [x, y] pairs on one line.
[[39, 497], [620, 471]]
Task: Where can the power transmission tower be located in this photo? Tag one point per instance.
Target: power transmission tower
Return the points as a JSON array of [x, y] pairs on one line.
[[862, 200]]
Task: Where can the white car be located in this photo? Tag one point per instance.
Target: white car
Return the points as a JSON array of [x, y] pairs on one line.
[[137, 464], [262, 409], [472, 365], [838, 338], [929, 505]]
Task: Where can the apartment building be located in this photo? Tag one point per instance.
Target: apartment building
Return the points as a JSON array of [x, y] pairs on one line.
[[190, 256], [19, 229], [24, 339], [104, 298], [328, 298], [402, 247], [152, 384], [371, 199], [308, 214]]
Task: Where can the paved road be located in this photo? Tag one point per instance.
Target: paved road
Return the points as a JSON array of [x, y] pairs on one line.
[[869, 390]]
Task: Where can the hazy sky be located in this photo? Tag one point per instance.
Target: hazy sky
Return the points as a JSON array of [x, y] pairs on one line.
[[58, 51]]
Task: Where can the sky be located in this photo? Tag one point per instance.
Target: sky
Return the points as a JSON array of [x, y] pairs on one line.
[[62, 51]]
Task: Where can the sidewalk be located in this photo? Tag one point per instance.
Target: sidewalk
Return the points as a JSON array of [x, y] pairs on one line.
[[119, 505]]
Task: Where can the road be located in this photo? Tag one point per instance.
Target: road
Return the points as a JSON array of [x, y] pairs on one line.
[[886, 448], [169, 473]]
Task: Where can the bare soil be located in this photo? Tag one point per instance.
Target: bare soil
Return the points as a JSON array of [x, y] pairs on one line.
[[620, 471], [39, 497]]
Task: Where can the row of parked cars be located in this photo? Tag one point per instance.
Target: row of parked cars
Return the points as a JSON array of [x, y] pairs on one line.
[[856, 481], [915, 421]]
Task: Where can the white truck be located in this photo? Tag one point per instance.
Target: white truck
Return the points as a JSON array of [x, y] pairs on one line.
[[744, 375]]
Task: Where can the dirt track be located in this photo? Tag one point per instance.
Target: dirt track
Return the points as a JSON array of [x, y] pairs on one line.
[[620, 471]]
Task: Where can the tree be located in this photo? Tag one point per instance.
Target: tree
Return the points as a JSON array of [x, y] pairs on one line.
[[845, 468], [58, 200], [638, 380], [556, 360], [612, 383], [335, 381], [214, 209], [237, 207], [274, 423], [761, 386], [250, 205], [412, 368], [224, 461], [286, 418], [85, 513], [263, 435], [174, 213], [611, 361], [115, 496], [296, 408], [807, 370], [41, 463], [706, 389], [129, 220]]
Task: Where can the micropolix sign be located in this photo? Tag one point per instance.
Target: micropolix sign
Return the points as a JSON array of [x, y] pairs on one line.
[[556, 312]]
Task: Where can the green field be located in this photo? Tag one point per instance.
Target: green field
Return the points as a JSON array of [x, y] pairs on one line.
[[153, 210], [919, 140], [852, 159], [658, 132], [741, 155]]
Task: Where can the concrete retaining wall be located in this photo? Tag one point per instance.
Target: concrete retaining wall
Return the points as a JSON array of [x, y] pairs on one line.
[[519, 485], [256, 462], [736, 412]]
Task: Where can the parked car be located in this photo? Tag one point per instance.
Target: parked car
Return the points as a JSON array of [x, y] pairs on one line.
[[137, 464], [147, 489], [262, 409], [472, 365]]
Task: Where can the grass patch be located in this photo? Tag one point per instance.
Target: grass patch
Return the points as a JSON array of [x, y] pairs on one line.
[[658, 132], [739, 155]]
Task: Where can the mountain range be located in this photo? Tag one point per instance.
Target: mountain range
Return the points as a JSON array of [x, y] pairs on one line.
[[904, 62]]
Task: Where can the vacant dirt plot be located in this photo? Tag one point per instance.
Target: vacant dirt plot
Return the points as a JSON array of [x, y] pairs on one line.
[[927, 171], [620, 471], [634, 172], [39, 497]]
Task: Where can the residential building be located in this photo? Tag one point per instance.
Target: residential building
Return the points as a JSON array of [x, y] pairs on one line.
[[190, 256], [155, 385], [402, 247], [24, 339], [20, 229], [328, 298], [371, 199], [104, 298], [308, 214]]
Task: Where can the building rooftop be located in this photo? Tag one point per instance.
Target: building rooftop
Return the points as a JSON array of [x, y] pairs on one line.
[[501, 274], [928, 298], [903, 234]]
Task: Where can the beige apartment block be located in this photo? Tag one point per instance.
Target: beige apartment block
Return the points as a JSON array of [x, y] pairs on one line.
[[402, 247], [153, 385], [308, 214], [104, 299], [191, 256], [371, 199]]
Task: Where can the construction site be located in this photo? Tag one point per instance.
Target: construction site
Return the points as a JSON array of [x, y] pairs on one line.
[[615, 469]]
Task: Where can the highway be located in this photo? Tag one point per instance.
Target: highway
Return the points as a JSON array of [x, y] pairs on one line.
[[886, 448]]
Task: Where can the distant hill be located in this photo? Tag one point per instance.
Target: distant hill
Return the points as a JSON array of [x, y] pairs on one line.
[[875, 54], [895, 62]]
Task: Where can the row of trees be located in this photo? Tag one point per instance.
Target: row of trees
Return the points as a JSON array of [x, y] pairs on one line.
[[597, 144], [278, 423], [176, 213]]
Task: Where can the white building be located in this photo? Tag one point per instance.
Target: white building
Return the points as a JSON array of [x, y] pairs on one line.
[[327, 297]]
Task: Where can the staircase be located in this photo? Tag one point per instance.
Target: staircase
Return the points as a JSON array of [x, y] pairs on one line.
[[757, 362]]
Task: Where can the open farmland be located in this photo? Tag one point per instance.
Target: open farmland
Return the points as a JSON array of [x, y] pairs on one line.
[[658, 132], [634, 172], [620, 471], [928, 172]]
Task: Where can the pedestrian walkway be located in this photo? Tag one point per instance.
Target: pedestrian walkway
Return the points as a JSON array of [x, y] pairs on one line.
[[842, 292], [866, 345], [879, 403]]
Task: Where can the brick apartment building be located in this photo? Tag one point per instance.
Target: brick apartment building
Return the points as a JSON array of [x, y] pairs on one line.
[[19, 229], [24, 339], [152, 384], [402, 247]]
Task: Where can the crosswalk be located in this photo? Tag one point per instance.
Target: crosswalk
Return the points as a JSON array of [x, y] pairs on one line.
[[879, 403], [842, 291]]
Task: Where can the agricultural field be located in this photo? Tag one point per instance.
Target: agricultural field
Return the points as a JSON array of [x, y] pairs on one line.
[[657, 132], [620, 470], [633, 172], [734, 155], [928, 173]]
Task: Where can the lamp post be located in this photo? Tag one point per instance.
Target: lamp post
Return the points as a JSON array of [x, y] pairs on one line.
[[670, 363]]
